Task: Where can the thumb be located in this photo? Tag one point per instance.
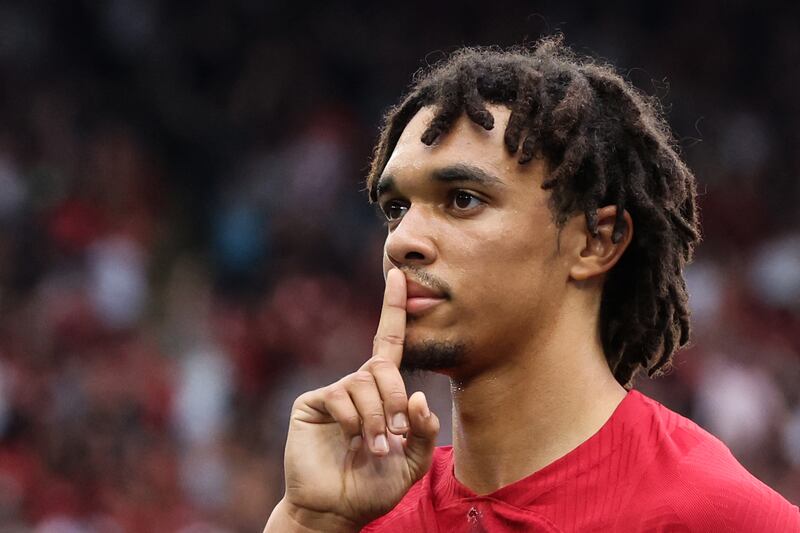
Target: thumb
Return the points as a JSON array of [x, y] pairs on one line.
[[421, 438]]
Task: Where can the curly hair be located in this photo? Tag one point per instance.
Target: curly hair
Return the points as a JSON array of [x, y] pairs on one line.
[[606, 143]]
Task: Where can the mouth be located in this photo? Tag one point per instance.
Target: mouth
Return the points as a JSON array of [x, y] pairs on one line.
[[420, 298]]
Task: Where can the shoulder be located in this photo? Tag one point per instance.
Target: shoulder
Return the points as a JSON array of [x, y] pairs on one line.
[[713, 488], [693, 478]]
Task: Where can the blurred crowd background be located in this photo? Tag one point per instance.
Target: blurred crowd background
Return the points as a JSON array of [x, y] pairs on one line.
[[185, 245]]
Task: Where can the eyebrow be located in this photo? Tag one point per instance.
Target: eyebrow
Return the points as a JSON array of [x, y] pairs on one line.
[[460, 173]]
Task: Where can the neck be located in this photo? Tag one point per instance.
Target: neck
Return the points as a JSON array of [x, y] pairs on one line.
[[512, 420]]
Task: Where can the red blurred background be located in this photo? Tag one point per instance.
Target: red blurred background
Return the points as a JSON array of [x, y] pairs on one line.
[[185, 245]]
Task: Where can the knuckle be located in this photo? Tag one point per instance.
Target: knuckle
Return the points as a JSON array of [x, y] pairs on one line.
[[375, 420], [380, 363], [396, 340], [396, 397], [362, 377], [351, 424], [303, 399], [335, 392]]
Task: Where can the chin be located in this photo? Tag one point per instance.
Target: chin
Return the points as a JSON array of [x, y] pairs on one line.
[[432, 355]]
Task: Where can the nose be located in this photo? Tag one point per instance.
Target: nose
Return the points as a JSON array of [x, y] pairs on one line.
[[411, 243]]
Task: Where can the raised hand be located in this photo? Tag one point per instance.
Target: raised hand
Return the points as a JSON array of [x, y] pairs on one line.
[[356, 446]]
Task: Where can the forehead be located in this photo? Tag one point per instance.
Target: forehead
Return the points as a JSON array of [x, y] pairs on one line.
[[466, 143]]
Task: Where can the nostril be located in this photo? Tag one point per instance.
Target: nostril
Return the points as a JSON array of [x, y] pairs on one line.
[[414, 255]]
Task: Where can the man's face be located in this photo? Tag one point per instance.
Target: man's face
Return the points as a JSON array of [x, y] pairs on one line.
[[471, 223]]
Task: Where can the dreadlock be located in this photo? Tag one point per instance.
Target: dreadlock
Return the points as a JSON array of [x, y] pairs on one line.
[[606, 144]]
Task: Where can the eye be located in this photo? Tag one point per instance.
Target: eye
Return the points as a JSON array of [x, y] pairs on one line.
[[394, 209], [463, 201]]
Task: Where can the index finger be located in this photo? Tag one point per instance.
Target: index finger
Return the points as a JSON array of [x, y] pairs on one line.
[[391, 333]]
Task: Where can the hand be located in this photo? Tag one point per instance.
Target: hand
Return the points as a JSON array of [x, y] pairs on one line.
[[347, 460]]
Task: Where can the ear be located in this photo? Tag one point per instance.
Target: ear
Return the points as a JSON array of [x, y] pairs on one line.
[[600, 253]]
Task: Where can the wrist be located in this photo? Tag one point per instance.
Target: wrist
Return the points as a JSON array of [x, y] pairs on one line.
[[287, 517]]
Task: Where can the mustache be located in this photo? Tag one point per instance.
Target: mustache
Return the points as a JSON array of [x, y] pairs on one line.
[[427, 280]]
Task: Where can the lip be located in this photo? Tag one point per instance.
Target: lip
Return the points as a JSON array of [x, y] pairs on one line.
[[417, 305], [415, 290], [420, 298]]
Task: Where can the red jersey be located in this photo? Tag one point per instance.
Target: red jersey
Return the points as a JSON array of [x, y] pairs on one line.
[[647, 469]]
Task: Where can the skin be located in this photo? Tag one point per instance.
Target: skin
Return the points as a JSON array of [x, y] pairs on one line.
[[520, 296]]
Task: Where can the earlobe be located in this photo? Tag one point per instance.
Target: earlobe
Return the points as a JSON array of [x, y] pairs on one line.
[[600, 252]]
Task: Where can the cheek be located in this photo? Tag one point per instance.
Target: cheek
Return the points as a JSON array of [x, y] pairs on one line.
[[496, 257], [520, 250], [509, 269]]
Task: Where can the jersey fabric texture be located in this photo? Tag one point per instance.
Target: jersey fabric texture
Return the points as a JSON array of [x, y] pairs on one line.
[[647, 469]]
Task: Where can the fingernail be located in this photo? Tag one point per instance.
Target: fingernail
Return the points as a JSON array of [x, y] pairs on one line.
[[355, 443], [426, 413], [381, 444], [399, 421]]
